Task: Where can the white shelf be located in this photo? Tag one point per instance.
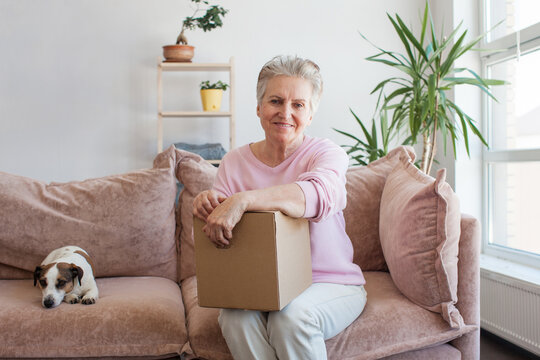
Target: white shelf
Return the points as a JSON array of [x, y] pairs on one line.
[[179, 66]]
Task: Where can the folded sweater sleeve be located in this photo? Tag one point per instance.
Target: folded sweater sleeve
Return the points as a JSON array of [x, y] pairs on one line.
[[323, 183]]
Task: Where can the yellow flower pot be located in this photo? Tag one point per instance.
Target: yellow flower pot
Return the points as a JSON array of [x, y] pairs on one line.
[[211, 99]]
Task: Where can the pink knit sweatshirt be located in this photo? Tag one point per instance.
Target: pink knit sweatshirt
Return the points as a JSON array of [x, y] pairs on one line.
[[318, 166]]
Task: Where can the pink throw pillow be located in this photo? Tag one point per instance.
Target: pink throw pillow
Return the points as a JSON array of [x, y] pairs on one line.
[[420, 230], [125, 222], [364, 190]]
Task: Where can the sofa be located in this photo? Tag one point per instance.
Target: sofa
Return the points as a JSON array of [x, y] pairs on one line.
[[419, 255]]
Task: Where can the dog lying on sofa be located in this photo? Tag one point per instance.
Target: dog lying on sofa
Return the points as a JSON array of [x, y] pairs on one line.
[[66, 274]]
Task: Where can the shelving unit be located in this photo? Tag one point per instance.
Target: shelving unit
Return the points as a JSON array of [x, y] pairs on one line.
[[200, 67]]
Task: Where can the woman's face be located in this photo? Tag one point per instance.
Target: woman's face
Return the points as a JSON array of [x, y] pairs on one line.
[[285, 109]]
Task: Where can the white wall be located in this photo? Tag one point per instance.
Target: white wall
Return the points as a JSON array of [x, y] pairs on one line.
[[465, 173], [468, 170], [78, 78]]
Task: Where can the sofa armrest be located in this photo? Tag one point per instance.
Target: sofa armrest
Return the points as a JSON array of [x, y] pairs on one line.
[[469, 286]]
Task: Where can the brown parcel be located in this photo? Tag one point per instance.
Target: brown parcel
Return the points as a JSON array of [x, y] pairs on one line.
[[267, 264]]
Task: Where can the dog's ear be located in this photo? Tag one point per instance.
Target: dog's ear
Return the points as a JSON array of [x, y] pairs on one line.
[[76, 271], [37, 274]]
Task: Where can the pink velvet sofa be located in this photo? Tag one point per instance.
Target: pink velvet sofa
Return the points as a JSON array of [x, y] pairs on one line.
[[418, 252]]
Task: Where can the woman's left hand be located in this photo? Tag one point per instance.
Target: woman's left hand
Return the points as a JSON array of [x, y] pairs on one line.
[[222, 220]]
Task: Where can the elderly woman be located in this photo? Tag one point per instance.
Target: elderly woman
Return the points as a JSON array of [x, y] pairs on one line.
[[301, 176]]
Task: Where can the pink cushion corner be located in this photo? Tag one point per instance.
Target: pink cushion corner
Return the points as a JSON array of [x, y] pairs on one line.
[[125, 222], [419, 230], [364, 189], [196, 174]]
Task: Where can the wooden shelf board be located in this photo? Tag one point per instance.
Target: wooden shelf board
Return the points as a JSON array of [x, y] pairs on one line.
[[195, 114], [179, 66]]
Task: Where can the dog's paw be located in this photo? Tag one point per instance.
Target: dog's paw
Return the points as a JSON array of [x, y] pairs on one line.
[[72, 299], [88, 300]]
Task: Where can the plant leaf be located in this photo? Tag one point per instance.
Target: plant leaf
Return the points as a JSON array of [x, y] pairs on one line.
[[403, 38], [411, 37]]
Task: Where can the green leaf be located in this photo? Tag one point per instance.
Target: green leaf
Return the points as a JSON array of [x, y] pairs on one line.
[[440, 48], [364, 130], [470, 122], [374, 134], [411, 37], [452, 55], [383, 83], [475, 82], [383, 52], [403, 40], [464, 131], [424, 25], [432, 86], [347, 134], [384, 129], [443, 125], [471, 44], [408, 70], [397, 92]]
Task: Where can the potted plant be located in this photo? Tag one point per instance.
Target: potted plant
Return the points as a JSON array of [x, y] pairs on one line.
[[211, 19], [419, 99], [211, 94]]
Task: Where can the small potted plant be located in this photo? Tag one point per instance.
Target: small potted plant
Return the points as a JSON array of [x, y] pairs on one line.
[[211, 94], [211, 19]]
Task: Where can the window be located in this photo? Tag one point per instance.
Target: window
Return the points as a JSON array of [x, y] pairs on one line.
[[512, 162]]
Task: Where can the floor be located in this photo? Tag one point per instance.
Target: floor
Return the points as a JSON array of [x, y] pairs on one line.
[[495, 348]]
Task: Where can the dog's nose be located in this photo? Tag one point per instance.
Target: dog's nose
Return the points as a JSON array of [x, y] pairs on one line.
[[48, 303]]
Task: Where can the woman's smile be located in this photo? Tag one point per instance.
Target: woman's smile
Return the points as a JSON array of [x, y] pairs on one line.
[[283, 125]]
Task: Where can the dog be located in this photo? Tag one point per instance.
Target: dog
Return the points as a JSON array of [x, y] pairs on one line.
[[66, 274]]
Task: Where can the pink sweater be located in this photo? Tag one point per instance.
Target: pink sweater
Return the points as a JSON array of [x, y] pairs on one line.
[[318, 166]]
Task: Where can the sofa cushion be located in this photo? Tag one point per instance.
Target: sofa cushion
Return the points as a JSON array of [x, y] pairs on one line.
[[125, 222], [419, 229], [444, 351], [204, 333], [364, 189], [196, 174], [390, 324], [134, 316]]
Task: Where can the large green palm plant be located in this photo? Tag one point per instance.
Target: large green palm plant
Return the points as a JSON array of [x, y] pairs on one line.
[[418, 98]]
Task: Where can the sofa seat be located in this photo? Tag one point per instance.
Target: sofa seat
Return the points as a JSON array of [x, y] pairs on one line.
[[439, 352], [134, 316], [390, 324]]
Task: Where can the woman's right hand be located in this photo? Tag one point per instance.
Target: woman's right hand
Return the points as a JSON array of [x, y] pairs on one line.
[[206, 202]]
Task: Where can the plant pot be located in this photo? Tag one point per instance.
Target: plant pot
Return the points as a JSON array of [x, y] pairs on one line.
[[211, 99], [178, 53]]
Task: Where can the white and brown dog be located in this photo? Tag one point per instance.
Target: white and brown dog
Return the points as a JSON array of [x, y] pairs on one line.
[[66, 274]]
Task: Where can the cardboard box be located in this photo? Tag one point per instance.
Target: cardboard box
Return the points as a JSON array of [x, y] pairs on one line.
[[267, 264]]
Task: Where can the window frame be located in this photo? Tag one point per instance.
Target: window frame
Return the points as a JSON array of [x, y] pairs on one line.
[[529, 40]]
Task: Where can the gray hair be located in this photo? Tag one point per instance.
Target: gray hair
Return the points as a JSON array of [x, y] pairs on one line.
[[295, 67]]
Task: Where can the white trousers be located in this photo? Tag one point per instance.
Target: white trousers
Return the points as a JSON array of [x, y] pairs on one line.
[[299, 330]]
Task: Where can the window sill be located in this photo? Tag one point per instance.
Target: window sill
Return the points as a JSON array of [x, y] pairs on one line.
[[510, 269]]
